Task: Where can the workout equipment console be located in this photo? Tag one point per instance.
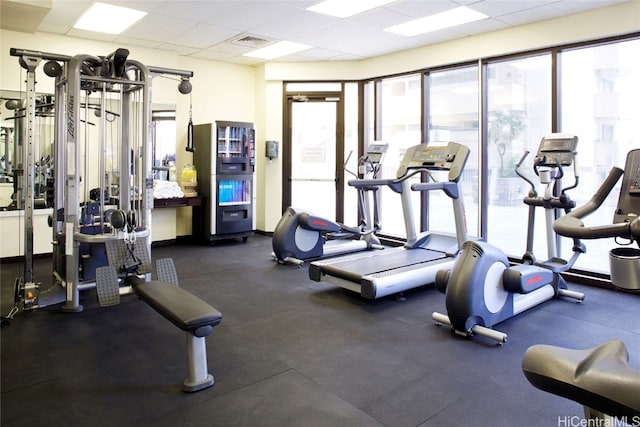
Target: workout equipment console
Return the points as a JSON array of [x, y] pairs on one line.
[[300, 235], [482, 289], [394, 270]]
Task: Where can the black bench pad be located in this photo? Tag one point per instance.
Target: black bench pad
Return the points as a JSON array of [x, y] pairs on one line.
[[182, 308]]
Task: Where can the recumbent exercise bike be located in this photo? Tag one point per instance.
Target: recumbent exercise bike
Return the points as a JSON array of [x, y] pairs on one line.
[[300, 235]]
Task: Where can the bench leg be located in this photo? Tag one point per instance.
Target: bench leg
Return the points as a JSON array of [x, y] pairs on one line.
[[199, 378]]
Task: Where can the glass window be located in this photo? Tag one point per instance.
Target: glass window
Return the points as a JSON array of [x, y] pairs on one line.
[[600, 94], [400, 116], [519, 115], [453, 116]]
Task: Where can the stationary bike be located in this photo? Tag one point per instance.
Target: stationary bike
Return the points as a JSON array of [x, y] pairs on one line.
[[483, 289], [300, 235]]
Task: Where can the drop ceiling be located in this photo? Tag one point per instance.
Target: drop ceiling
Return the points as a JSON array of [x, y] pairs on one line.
[[223, 30]]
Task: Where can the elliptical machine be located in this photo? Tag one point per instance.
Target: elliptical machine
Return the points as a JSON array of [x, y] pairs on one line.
[[599, 378], [300, 235], [483, 289]]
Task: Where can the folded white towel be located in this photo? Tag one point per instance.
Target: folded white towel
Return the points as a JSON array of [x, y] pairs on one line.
[[166, 190]]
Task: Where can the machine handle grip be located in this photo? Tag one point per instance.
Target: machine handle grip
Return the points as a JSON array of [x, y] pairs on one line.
[[570, 225]]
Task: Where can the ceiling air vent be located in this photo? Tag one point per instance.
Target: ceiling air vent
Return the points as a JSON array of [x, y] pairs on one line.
[[249, 41]]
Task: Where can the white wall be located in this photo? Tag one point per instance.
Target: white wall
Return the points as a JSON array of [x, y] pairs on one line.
[[236, 92], [221, 91]]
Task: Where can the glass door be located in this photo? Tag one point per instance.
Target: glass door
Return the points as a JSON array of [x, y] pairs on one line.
[[315, 156]]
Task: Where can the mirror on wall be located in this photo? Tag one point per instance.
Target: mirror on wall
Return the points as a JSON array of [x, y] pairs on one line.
[[12, 116], [163, 119]]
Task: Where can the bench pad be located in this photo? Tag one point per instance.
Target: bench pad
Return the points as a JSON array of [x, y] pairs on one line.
[[182, 308], [599, 378]]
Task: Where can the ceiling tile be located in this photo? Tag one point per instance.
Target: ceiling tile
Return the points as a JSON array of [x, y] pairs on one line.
[[203, 35], [181, 50], [63, 15], [567, 7], [201, 28], [527, 16], [158, 27]]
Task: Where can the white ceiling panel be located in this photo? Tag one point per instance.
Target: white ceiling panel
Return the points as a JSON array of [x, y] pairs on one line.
[[419, 9], [567, 7], [249, 14], [203, 35], [189, 10], [292, 26], [528, 16], [201, 28], [158, 27], [63, 15], [181, 50]]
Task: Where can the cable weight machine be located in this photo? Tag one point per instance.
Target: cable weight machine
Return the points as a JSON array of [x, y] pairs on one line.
[[102, 165]]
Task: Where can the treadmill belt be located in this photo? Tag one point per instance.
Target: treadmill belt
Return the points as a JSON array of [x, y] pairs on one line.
[[379, 262]]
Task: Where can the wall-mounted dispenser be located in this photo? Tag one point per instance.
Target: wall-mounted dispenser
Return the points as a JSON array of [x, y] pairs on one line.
[[271, 149]]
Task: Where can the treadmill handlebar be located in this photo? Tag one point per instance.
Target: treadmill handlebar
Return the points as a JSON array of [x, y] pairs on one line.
[[571, 225], [394, 184], [450, 188]]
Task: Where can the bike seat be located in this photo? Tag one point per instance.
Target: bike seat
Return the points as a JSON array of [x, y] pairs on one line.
[[598, 378]]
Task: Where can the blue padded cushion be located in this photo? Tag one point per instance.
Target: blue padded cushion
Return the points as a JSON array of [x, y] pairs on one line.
[[182, 308]]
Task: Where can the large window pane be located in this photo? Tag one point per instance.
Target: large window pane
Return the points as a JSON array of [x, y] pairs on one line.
[[400, 117], [600, 94], [519, 115], [453, 116]]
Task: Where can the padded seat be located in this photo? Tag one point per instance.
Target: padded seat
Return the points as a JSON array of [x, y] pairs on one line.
[[599, 378], [189, 313], [182, 308]]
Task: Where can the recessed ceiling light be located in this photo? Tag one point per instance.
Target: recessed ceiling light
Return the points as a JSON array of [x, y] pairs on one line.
[[277, 50], [439, 21], [106, 18], [343, 9]]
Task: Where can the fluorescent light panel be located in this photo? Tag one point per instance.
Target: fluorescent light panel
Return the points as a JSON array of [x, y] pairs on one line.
[[277, 50], [439, 21], [344, 9], [106, 18]]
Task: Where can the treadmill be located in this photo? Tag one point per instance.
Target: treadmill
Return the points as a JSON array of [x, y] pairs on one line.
[[381, 273]]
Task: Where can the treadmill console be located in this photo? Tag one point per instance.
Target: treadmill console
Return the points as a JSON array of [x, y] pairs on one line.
[[557, 149], [449, 156]]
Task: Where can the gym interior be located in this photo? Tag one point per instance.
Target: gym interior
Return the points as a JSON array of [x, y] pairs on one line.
[[415, 230]]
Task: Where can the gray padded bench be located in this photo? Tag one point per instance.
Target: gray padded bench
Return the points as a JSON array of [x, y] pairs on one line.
[[599, 378], [189, 313]]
